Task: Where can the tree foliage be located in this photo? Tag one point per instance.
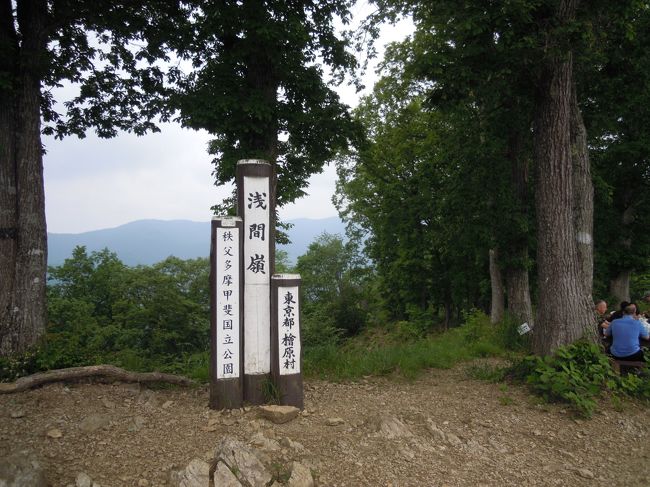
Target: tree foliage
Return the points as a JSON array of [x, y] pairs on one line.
[[426, 191], [616, 100], [113, 56], [333, 290], [101, 310], [462, 106], [259, 84]]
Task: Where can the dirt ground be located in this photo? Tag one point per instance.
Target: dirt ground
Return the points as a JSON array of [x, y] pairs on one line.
[[444, 429]]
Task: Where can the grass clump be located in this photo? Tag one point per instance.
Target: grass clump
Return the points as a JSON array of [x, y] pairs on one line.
[[396, 351], [488, 373], [270, 392]]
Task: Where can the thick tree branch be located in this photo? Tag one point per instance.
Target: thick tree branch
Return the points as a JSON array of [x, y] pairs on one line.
[[92, 371]]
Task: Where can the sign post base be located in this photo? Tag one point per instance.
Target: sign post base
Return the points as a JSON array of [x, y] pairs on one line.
[[256, 388]]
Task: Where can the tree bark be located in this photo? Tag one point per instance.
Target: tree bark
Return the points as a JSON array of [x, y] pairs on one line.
[[24, 322], [262, 82], [565, 309], [496, 285], [583, 203], [448, 312], [8, 202], [619, 286], [518, 288], [517, 283]]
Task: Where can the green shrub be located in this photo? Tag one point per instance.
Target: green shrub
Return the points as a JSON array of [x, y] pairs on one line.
[[578, 375], [318, 328], [420, 320], [408, 331], [62, 350], [484, 349], [477, 326], [140, 318], [507, 335], [321, 360], [130, 359], [193, 365], [20, 365], [637, 384]]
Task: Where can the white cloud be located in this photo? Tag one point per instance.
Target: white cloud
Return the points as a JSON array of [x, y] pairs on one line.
[[318, 202], [95, 183]]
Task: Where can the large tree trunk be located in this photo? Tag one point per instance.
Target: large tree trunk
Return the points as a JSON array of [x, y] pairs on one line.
[[8, 203], [583, 202], [448, 310], [565, 309], [619, 286], [496, 285], [262, 83], [517, 284], [24, 322], [518, 287]]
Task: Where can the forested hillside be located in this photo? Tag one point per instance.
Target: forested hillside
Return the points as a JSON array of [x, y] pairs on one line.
[[147, 242]]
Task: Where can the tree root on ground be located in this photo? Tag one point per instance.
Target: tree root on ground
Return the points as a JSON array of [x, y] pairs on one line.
[[91, 371]]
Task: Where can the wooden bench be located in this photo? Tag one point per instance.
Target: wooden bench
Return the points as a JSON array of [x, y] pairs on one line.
[[624, 367]]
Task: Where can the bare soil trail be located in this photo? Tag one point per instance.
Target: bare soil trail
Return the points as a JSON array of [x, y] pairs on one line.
[[443, 429]]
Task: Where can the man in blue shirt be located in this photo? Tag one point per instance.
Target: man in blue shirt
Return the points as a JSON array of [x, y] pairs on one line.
[[625, 333]]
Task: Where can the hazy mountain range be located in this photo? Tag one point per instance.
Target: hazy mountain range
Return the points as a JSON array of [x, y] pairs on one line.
[[150, 241]]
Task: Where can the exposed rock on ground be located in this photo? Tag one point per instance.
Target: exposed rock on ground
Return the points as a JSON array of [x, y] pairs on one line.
[[279, 414], [300, 476], [442, 429], [22, 468], [243, 462], [94, 422], [196, 474]]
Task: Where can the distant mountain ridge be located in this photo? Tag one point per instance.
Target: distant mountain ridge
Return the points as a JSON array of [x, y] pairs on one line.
[[149, 241]]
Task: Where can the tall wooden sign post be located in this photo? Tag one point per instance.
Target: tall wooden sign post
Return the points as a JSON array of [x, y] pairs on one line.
[[256, 205], [255, 317], [286, 353], [226, 292]]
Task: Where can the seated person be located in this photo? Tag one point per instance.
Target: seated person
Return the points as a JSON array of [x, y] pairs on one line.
[[643, 305], [603, 321], [625, 333], [646, 298], [618, 314], [642, 318]]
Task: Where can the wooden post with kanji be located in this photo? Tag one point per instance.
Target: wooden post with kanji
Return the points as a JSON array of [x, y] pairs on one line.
[[256, 205], [286, 351], [226, 304]]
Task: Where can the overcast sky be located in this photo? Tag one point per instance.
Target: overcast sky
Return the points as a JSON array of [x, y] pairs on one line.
[[95, 183]]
